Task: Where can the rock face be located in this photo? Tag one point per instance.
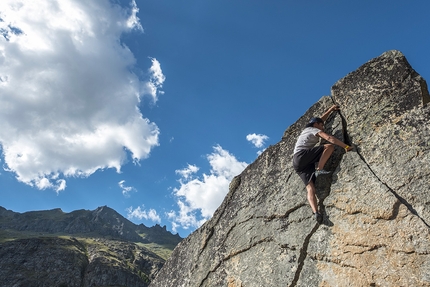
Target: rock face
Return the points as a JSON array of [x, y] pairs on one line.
[[376, 203], [81, 248], [53, 261]]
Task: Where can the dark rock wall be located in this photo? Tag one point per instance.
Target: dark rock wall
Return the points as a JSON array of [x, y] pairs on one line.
[[376, 204], [53, 261], [42, 262]]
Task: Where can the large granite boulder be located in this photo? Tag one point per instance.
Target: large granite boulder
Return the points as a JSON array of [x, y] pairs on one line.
[[376, 203]]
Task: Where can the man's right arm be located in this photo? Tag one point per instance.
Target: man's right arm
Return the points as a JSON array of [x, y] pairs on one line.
[[333, 140]]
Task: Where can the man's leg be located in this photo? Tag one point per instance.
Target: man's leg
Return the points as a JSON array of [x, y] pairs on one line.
[[313, 202], [328, 150], [311, 196]]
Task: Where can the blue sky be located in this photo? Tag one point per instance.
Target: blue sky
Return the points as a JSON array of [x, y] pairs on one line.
[[152, 107]]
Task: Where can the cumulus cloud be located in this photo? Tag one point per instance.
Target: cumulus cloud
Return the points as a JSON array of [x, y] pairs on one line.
[[156, 80], [199, 197], [139, 213], [68, 95], [187, 172], [126, 190], [257, 140]]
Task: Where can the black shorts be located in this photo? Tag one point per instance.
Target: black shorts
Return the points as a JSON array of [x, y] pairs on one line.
[[304, 163]]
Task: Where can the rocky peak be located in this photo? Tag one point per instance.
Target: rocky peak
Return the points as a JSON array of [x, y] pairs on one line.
[[376, 203]]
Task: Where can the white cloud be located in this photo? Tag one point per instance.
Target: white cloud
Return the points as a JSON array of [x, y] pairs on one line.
[[68, 96], [156, 81], [133, 20], [198, 198], [185, 218], [140, 214], [126, 190], [257, 140], [188, 171]]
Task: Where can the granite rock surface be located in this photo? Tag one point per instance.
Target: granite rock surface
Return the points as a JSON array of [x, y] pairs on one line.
[[376, 202]]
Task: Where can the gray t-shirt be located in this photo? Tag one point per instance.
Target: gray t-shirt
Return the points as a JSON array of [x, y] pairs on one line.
[[307, 139]]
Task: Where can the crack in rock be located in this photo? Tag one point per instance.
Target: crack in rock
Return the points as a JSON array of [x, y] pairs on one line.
[[303, 255], [285, 215], [231, 255], [399, 198], [266, 239], [337, 262]]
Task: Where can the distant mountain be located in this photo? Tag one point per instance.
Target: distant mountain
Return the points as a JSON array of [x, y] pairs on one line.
[[80, 248]]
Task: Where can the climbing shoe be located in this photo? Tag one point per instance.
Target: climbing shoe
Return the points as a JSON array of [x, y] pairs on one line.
[[318, 217], [321, 172]]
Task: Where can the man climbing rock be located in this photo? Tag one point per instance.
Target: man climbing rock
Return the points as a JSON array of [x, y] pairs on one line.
[[306, 154]]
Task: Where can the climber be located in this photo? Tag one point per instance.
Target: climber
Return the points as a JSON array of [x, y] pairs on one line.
[[306, 154]]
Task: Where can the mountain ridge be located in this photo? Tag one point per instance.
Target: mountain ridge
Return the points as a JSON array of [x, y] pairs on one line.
[[80, 248], [105, 220]]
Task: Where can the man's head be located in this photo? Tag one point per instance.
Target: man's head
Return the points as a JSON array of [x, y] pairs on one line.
[[316, 122]]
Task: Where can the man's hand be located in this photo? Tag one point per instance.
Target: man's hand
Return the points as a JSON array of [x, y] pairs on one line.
[[348, 148], [335, 108], [328, 112]]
